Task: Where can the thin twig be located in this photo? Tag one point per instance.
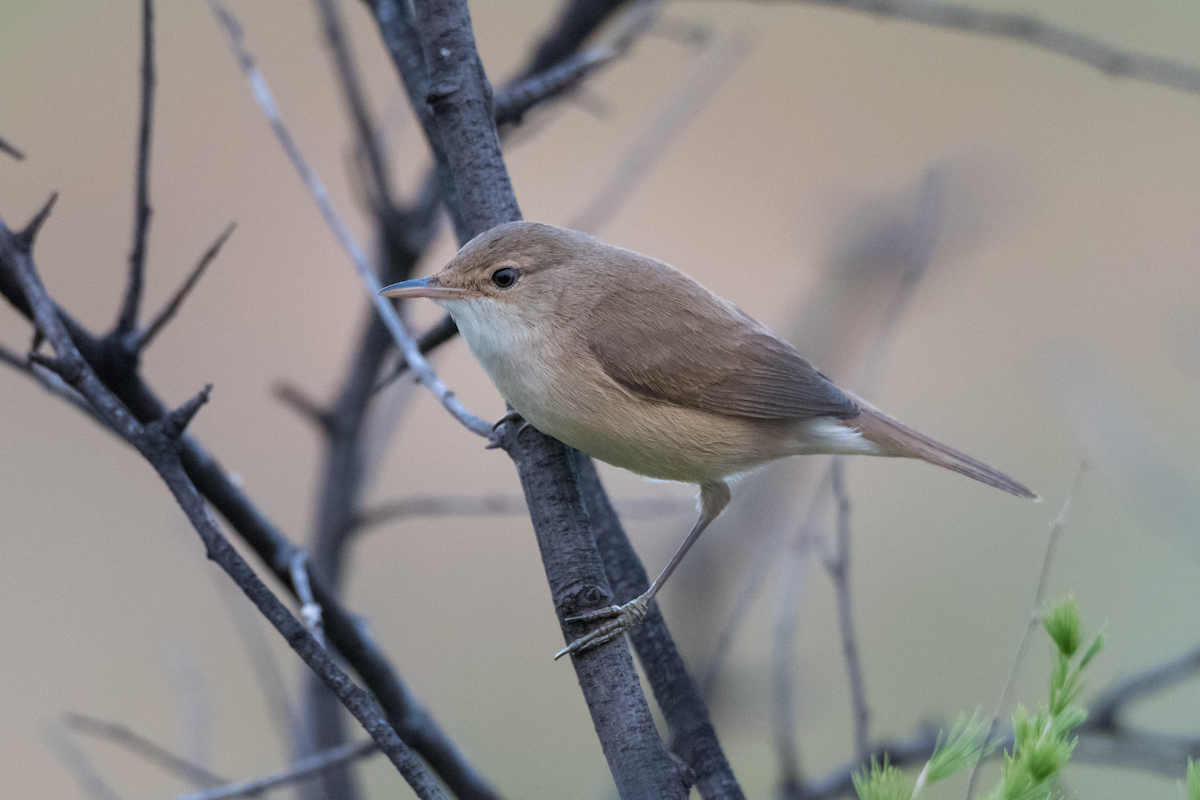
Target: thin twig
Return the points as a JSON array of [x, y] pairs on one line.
[[142, 747], [748, 588], [310, 609], [423, 373], [127, 321], [305, 768], [838, 568], [527, 91], [442, 331], [143, 337], [1035, 32], [1035, 617], [783, 646], [6, 147], [356, 104]]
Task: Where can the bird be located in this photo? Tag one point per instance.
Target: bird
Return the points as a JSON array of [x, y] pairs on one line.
[[632, 362]]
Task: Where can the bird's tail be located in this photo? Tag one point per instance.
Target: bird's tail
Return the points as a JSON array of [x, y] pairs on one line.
[[896, 439]]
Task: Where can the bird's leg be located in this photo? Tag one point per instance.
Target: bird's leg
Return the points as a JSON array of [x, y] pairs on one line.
[[713, 499], [511, 416]]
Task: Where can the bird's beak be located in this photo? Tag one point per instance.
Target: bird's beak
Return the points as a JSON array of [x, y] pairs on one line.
[[423, 287]]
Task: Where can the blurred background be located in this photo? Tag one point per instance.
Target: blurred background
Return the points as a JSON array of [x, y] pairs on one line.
[[1057, 322]]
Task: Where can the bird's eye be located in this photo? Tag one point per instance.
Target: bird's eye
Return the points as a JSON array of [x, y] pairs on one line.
[[504, 277]]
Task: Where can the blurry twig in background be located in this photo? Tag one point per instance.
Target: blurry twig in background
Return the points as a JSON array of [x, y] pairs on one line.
[[711, 70], [91, 783], [847, 323], [1035, 618], [143, 748], [503, 504], [1035, 32], [301, 770], [837, 564], [5, 147]]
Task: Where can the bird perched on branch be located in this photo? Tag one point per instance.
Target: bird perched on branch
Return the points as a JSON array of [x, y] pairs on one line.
[[632, 362]]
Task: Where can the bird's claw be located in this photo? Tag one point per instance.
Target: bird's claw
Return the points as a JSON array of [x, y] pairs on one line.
[[494, 442], [620, 619]]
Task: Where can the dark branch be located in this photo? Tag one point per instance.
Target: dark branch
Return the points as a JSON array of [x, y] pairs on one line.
[[127, 321], [351, 640], [692, 735], [577, 20], [163, 453]]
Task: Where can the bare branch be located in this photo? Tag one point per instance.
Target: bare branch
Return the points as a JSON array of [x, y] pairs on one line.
[[6, 147], [142, 747], [424, 373], [1030, 30], [143, 338], [127, 321], [164, 453], [1035, 617], [305, 768], [226, 495]]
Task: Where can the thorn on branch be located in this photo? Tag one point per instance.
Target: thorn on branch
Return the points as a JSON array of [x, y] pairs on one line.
[[175, 423], [24, 238], [143, 338]]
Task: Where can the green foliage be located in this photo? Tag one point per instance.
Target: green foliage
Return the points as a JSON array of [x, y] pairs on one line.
[[1193, 780], [883, 782], [1042, 742]]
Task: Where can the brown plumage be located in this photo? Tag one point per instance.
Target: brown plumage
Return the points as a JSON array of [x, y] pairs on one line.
[[633, 362]]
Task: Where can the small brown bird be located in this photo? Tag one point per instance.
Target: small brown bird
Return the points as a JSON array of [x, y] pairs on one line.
[[629, 360]]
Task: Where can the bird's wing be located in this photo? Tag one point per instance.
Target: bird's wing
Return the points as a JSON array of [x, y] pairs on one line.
[[696, 350]]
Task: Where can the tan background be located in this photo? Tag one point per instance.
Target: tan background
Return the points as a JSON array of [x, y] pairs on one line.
[[1089, 242]]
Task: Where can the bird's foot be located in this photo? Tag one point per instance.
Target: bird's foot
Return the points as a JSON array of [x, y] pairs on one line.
[[497, 434], [620, 619]]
